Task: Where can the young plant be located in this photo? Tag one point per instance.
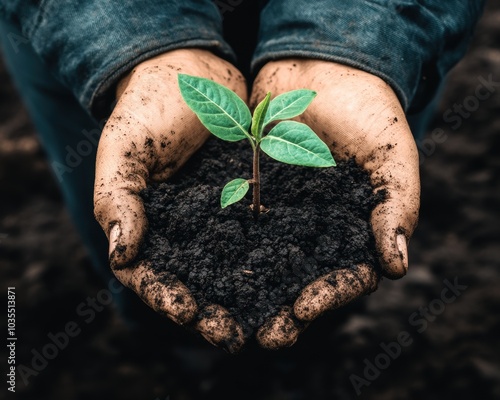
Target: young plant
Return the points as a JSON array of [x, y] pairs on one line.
[[226, 116]]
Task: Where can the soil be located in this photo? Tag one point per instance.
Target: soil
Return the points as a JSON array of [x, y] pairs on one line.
[[456, 356], [318, 221]]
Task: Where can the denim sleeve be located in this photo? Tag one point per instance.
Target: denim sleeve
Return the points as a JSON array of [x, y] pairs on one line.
[[411, 44], [89, 45]]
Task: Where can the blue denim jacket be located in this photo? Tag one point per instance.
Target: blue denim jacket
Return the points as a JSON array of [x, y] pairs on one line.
[[90, 44], [411, 44]]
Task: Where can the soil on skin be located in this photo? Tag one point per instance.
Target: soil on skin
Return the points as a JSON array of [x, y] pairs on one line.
[[454, 353], [318, 221]]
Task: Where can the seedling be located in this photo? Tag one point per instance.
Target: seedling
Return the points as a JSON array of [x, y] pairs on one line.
[[226, 116]]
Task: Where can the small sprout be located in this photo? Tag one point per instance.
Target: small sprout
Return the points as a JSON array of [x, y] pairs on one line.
[[226, 116]]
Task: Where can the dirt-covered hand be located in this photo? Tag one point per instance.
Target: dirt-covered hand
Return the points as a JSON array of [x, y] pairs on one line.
[[149, 135], [358, 115]]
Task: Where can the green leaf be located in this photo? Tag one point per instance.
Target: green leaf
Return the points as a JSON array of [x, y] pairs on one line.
[[233, 192], [289, 105], [295, 143], [221, 110], [259, 115]]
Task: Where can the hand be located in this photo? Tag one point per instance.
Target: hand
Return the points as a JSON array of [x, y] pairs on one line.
[[357, 115], [149, 135]]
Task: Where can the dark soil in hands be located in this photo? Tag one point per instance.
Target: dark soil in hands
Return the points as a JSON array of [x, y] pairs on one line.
[[456, 357], [318, 221]]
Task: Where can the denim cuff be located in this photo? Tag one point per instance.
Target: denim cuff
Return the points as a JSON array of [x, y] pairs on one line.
[[410, 44], [90, 44]]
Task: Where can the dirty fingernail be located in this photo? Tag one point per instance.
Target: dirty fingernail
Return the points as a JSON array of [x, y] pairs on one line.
[[403, 251], [114, 235]]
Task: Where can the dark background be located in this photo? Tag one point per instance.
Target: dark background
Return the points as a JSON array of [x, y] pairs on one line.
[[456, 356]]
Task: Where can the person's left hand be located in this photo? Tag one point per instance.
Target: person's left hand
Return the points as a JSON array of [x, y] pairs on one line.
[[358, 115]]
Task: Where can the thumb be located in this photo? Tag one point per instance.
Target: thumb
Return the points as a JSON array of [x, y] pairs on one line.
[[395, 171], [120, 176]]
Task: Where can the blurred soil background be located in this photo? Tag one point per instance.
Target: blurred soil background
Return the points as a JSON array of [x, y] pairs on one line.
[[456, 355]]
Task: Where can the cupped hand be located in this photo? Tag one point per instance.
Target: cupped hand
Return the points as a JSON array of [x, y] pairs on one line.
[[149, 135], [358, 115]]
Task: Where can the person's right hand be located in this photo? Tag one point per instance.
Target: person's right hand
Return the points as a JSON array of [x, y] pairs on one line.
[[149, 135]]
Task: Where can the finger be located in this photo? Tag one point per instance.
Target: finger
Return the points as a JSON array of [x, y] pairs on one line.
[[393, 223], [335, 290], [120, 177], [395, 171], [219, 328], [280, 331], [164, 293]]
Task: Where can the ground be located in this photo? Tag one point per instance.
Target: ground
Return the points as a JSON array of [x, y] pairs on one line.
[[448, 339]]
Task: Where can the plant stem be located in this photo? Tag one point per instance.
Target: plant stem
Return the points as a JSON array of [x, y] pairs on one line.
[[256, 182]]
